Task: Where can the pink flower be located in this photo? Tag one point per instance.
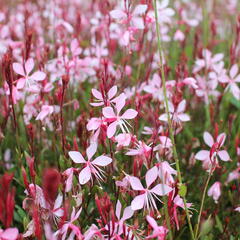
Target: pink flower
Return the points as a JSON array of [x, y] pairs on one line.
[[177, 116], [9, 234], [70, 226], [215, 191], [146, 197], [90, 167], [232, 81], [142, 150], [68, 183], [208, 61], [100, 98], [205, 155], [159, 232], [117, 119], [166, 172], [123, 139], [45, 111], [132, 18], [25, 70]]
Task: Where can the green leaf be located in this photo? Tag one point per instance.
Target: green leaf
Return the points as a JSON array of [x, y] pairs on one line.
[[219, 224], [182, 190]]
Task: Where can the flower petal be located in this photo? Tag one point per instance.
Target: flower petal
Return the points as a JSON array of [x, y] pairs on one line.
[[76, 157], [84, 175], [102, 161], [151, 176], [208, 139], [91, 150], [112, 129], [108, 112], [129, 114], [38, 76], [136, 184], [138, 202], [224, 155], [112, 92], [18, 68], [29, 65], [161, 189], [202, 155]]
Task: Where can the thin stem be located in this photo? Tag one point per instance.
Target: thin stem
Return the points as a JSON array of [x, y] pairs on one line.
[[202, 201], [168, 115]]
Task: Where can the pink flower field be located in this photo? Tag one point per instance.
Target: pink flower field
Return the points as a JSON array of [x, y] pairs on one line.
[[120, 119]]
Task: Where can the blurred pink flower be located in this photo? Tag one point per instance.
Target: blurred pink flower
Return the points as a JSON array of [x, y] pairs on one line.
[[215, 191]]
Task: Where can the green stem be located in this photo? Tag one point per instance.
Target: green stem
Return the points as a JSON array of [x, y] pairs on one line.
[[168, 116], [202, 202]]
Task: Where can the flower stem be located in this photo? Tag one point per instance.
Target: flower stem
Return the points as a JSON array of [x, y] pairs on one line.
[[168, 115], [202, 202]]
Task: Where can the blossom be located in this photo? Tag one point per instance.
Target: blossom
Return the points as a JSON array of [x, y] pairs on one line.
[[146, 197], [215, 191], [159, 232], [205, 155], [69, 225], [208, 61], [24, 71], [9, 234], [90, 167], [100, 98], [176, 115], [116, 119], [45, 111], [232, 81]]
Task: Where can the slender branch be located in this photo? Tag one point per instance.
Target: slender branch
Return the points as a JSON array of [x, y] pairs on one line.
[[168, 115]]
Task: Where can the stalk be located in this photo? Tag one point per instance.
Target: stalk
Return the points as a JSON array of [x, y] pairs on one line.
[[175, 155], [202, 202]]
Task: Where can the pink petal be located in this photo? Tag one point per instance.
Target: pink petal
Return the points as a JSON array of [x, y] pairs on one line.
[[233, 71], [140, 9], [102, 161], [108, 112], [217, 57], [136, 184], [76, 157], [151, 176], [152, 222], [120, 102], [138, 202], [202, 155], [112, 92], [21, 83], [118, 209], [118, 14], [221, 139], [84, 175], [112, 129], [58, 201], [97, 94], [224, 155], [129, 114], [91, 150], [163, 117], [127, 213], [208, 139], [184, 117], [10, 234], [29, 65], [161, 189], [38, 76], [18, 68], [181, 106]]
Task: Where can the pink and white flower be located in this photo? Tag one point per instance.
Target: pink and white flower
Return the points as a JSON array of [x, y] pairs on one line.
[[215, 191], [146, 197], [116, 119], [24, 71], [90, 167]]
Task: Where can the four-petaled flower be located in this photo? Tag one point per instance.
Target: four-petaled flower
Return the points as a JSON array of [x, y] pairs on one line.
[[116, 119], [90, 167], [146, 197]]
